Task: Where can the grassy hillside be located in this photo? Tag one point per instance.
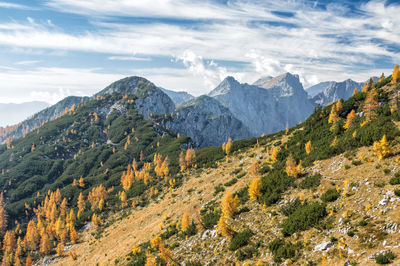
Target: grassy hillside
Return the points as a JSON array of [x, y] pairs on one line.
[[320, 182]]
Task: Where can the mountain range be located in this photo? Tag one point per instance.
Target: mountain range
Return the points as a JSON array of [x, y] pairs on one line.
[[231, 110], [11, 112]]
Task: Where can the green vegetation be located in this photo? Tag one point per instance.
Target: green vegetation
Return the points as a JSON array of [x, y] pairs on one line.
[[240, 239], [385, 258], [330, 195], [283, 250], [303, 218], [310, 181]]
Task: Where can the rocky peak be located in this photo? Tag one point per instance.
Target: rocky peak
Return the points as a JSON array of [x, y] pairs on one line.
[[227, 85]]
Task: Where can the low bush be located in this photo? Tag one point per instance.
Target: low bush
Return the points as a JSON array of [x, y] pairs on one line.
[[291, 207], [330, 195], [311, 181], [283, 250], [240, 239], [303, 218], [385, 258]]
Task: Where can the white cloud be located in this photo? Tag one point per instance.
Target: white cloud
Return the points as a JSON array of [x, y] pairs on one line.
[[324, 45], [12, 5]]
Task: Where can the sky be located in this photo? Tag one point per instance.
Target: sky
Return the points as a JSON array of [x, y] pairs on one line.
[[50, 49]]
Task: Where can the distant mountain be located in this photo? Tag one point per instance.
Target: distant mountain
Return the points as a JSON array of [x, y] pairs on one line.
[[206, 122], [178, 96], [335, 91], [318, 88], [35, 121], [267, 105], [13, 113]]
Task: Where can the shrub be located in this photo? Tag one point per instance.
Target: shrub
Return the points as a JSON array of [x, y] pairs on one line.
[[273, 185], [230, 183], [385, 258], [291, 207], [395, 180], [330, 195], [240, 239], [283, 250], [303, 218], [210, 215], [218, 189], [356, 163], [311, 181], [397, 192], [362, 223], [386, 171], [243, 195], [246, 253]]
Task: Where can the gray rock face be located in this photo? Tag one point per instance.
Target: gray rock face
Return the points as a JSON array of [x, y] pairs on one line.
[[318, 88], [178, 96], [337, 90], [207, 122], [150, 98], [268, 105]]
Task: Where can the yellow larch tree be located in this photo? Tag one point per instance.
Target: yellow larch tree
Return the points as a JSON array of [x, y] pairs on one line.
[[291, 167], [350, 119], [81, 182], [255, 168], [3, 216], [395, 74], [370, 105], [365, 88], [223, 228], [9, 242], [81, 204], [274, 155], [185, 221], [382, 77], [308, 147], [382, 148], [45, 244], [229, 204], [354, 91], [255, 188]]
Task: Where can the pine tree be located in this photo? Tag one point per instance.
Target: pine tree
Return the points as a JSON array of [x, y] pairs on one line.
[[185, 221], [308, 147], [370, 105], [350, 119], [229, 204], [291, 167], [255, 188]]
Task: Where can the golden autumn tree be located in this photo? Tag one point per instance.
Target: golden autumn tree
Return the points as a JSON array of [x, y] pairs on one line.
[[382, 148], [365, 88], [185, 221], [45, 247], [31, 236], [333, 116], [350, 119], [291, 167], [395, 74], [274, 155], [73, 235], [382, 77], [81, 204], [190, 157], [227, 148], [28, 261], [370, 105], [97, 197], [229, 204], [182, 162], [3, 216], [255, 168], [9, 242], [255, 188], [354, 91], [81, 182], [308, 147], [60, 249], [223, 228]]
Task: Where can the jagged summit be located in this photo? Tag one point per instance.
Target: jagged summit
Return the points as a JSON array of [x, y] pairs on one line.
[[228, 84]]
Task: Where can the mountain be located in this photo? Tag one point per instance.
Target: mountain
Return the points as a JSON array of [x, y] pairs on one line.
[[13, 113], [318, 88], [38, 119], [150, 99], [334, 91], [178, 96], [315, 194], [266, 106], [329, 197], [206, 121]]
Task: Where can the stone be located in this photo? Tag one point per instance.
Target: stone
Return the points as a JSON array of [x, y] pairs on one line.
[[324, 246]]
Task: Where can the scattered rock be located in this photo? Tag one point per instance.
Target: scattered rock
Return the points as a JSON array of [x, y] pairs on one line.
[[383, 202], [323, 246]]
